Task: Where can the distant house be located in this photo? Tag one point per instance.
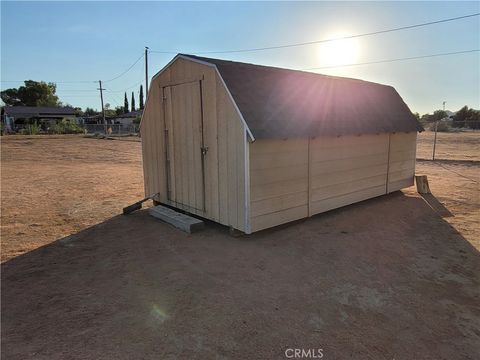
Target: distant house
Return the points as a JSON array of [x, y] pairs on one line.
[[15, 117], [127, 118]]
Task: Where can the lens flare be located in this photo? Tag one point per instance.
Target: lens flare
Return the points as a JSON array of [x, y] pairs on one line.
[[338, 52], [158, 313]]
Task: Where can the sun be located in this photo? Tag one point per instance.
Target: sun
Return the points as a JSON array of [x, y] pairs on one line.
[[338, 52]]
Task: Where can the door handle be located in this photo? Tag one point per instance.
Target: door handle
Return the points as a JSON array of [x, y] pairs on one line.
[[204, 150]]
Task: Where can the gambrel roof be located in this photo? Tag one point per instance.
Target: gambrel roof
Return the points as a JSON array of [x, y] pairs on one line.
[[283, 103]]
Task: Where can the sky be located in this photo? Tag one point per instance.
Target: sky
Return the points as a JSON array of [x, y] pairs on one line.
[[75, 44]]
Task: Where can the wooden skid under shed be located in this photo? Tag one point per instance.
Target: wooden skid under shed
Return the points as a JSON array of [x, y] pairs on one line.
[[182, 221]]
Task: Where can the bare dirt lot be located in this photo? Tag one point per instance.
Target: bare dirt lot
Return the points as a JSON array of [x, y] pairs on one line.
[[54, 186], [396, 277], [464, 146]]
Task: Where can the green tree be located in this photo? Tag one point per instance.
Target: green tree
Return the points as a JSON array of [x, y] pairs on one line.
[[125, 102], [473, 119], [460, 117], [133, 102], [90, 112], [141, 97], [119, 110], [33, 93], [109, 112], [439, 115]]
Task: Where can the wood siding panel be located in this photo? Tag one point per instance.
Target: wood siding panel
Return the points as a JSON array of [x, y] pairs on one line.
[[231, 162], [329, 142], [327, 192], [317, 207], [378, 145], [278, 181], [280, 159], [347, 176], [267, 191], [329, 166], [401, 169], [277, 203], [396, 156], [277, 174], [280, 217], [223, 135], [346, 169], [153, 144]]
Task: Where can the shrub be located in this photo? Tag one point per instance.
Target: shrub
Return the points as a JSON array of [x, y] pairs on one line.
[[66, 127], [442, 126], [31, 129]]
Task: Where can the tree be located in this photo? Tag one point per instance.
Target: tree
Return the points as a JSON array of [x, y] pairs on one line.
[[460, 117], [125, 102], [90, 112], [141, 97], [133, 102], [467, 118], [33, 93], [119, 110], [439, 115], [473, 120]]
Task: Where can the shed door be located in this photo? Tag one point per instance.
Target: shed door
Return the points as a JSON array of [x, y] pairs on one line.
[[185, 150]]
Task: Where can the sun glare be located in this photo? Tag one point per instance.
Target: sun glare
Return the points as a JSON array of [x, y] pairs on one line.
[[338, 52]]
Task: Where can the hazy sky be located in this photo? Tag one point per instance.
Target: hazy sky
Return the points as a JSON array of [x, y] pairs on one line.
[[87, 41]]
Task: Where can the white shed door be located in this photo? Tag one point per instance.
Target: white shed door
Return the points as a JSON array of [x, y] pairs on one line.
[[185, 150]]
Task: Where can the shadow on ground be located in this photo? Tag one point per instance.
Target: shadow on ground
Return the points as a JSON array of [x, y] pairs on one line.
[[386, 278], [436, 205]]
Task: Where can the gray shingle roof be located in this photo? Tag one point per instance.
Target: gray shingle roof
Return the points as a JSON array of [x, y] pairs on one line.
[[281, 103], [38, 110]]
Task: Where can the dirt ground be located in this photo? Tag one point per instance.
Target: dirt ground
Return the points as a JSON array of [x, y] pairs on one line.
[[54, 186], [396, 277], [450, 146]]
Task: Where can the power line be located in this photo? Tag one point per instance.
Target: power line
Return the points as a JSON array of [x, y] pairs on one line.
[[324, 40], [286, 46], [81, 81], [397, 59], [75, 90], [56, 82], [123, 73], [128, 88], [114, 99]]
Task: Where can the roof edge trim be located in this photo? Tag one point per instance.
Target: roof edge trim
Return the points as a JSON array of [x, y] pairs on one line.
[[181, 56], [252, 138], [150, 87]]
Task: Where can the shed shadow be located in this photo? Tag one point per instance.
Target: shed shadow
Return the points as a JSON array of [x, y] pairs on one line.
[[133, 286], [436, 205]]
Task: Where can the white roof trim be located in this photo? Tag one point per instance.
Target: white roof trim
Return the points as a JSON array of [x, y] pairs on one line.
[[150, 87], [252, 138]]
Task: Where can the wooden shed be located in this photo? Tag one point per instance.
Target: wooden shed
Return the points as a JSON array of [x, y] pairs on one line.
[[253, 147]]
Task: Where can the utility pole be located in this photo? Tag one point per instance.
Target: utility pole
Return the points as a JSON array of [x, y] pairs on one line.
[[435, 138], [103, 109], [146, 71]]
